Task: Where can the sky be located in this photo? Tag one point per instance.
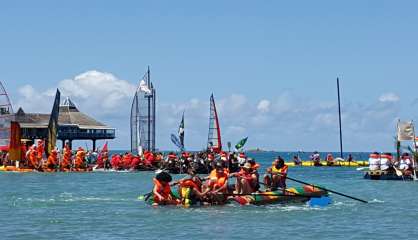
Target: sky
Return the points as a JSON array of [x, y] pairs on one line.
[[272, 66]]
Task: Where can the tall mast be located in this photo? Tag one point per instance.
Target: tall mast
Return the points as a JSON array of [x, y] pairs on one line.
[[214, 128], [339, 118], [149, 111]]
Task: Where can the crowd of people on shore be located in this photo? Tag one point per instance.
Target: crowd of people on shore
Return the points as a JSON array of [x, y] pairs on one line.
[[386, 162], [214, 188]]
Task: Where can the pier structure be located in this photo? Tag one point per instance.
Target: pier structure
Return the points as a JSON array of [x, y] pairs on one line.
[[72, 125]]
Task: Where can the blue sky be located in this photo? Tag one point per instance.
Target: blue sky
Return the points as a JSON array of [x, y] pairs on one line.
[[272, 66]]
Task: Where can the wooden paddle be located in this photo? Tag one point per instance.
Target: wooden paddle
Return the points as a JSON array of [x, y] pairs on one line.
[[398, 172], [328, 190]]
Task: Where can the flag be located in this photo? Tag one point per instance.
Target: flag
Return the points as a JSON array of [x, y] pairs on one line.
[[241, 143], [105, 149], [176, 141], [144, 87], [15, 148], [406, 131], [181, 132], [53, 124]]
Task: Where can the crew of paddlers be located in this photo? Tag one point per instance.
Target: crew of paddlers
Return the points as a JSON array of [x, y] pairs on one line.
[[33, 157], [215, 188], [386, 162]]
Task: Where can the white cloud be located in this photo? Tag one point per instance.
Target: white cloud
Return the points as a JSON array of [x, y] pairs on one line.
[[100, 90], [264, 106], [389, 97]]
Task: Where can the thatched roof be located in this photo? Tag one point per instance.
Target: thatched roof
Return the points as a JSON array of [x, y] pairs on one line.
[[69, 115]]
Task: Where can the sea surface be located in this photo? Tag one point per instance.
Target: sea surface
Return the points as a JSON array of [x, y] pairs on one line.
[[105, 206]]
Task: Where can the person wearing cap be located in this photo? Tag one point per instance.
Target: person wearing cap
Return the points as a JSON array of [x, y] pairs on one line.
[[276, 175], [242, 159], [247, 180], [162, 189]]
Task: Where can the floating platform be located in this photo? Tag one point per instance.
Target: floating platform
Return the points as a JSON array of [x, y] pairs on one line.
[[326, 164], [385, 175]]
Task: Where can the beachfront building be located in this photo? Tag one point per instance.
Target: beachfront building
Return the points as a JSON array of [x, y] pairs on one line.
[[72, 125]]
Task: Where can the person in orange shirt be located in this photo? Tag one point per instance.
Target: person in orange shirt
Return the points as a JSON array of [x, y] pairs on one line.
[[162, 190], [217, 184], [79, 163], [33, 158], [52, 161], [65, 165], [40, 149]]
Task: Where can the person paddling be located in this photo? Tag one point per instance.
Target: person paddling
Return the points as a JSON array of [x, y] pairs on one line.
[[217, 184], [276, 175], [162, 190], [247, 180], [190, 189]]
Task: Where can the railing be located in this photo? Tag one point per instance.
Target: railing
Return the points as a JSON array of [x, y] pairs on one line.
[[69, 133]]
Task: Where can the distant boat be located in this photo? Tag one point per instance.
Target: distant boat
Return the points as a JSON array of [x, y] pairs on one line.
[[214, 136], [6, 115]]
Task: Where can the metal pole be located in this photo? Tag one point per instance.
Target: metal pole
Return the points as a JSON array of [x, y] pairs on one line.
[[153, 117], [149, 114], [414, 154], [339, 117]]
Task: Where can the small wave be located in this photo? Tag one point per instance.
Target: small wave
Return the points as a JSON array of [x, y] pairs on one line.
[[376, 201], [68, 197]]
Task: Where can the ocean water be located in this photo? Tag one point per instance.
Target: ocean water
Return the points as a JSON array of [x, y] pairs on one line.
[[105, 206]]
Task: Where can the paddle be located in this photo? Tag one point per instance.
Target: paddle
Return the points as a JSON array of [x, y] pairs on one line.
[[325, 189], [398, 172], [362, 168]]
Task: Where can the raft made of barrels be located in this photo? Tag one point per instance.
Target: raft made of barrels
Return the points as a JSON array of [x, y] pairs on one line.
[[297, 195], [385, 175]]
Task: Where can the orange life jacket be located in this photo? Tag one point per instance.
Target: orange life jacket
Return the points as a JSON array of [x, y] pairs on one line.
[[189, 183], [218, 181], [33, 160], [52, 160], [163, 189]]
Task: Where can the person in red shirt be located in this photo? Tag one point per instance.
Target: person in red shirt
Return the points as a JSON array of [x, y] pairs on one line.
[[116, 162]]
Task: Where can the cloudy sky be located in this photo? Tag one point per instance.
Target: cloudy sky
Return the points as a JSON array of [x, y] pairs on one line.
[[271, 65]]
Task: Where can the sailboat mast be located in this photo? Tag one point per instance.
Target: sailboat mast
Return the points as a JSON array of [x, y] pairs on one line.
[[149, 111], [339, 118]]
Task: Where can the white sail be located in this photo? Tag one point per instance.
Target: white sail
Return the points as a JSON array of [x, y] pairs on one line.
[[143, 116]]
